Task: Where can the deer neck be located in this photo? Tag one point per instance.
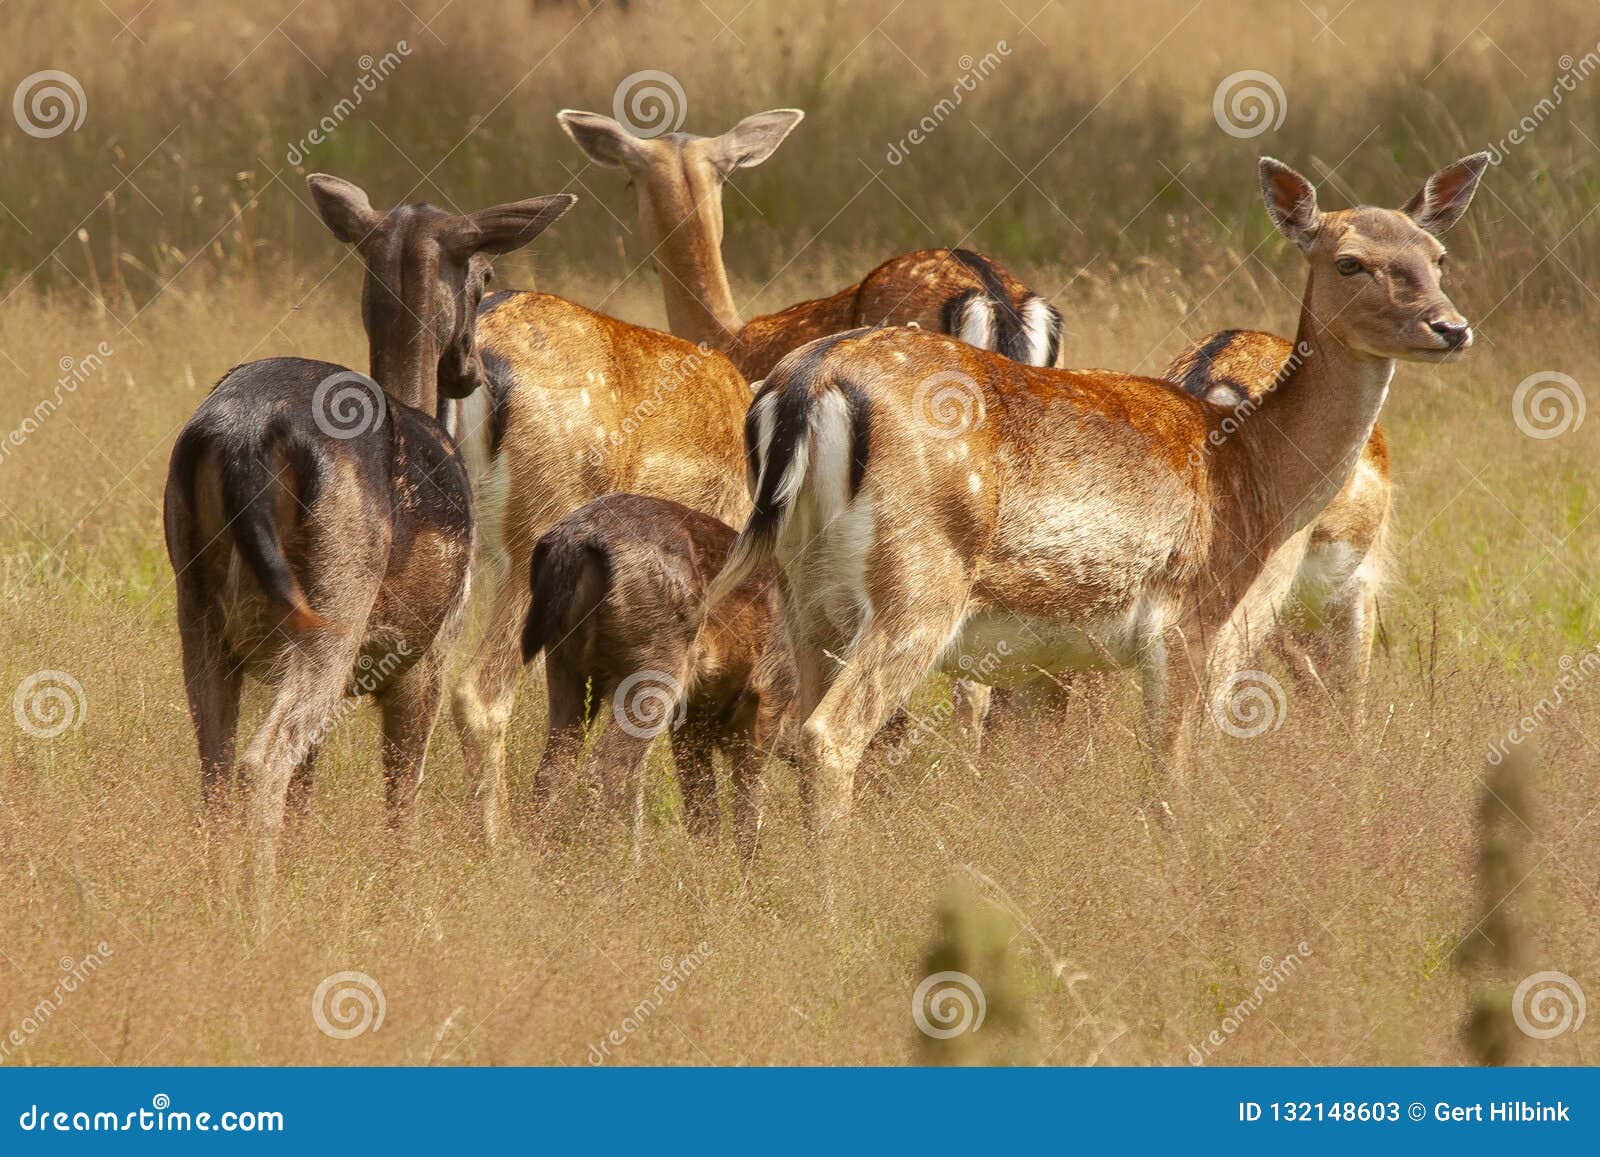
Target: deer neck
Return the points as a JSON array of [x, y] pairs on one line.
[[408, 371], [1304, 440], [694, 283]]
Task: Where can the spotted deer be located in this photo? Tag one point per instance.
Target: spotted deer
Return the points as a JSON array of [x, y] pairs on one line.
[[677, 180], [1075, 518], [1328, 617], [617, 587], [320, 527], [576, 405]]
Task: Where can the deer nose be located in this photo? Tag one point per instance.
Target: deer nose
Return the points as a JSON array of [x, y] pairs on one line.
[[1455, 331]]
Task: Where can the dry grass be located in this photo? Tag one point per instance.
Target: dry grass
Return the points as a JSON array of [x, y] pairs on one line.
[[1360, 846]]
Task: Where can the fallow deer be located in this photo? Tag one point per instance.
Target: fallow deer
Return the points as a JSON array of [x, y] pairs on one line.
[[1079, 517], [617, 587], [678, 178], [320, 527], [577, 405], [1328, 617]]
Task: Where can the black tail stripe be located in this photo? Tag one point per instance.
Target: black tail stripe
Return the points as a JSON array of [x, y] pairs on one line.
[[499, 373], [1008, 322], [1053, 348], [860, 408], [788, 428], [1198, 376], [954, 308]]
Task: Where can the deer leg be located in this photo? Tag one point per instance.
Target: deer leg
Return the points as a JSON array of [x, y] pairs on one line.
[[972, 703], [1349, 622], [893, 654], [306, 704], [1170, 676], [298, 801], [212, 681], [815, 669], [568, 689], [747, 767], [694, 757], [619, 757], [749, 751], [484, 701], [410, 707]]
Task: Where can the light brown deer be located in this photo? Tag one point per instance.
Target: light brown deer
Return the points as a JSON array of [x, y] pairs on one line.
[[1075, 518], [577, 405], [617, 587], [678, 178], [1328, 617], [320, 527]]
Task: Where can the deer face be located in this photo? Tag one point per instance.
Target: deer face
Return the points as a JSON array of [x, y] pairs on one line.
[[1376, 273], [426, 270], [677, 177]]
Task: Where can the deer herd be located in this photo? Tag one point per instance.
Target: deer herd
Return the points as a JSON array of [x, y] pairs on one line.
[[590, 476]]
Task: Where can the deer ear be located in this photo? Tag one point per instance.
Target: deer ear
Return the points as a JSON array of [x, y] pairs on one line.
[[1440, 202], [601, 138], [502, 228], [753, 139], [1291, 202], [344, 207]]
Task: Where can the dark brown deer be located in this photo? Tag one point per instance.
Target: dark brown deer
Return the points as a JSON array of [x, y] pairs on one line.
[[678, 179], [578, 405], [617, 587], [321, 527]]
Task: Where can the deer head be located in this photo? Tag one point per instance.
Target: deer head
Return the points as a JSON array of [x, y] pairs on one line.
[[425, 274], [1375, 273], [677, 179]]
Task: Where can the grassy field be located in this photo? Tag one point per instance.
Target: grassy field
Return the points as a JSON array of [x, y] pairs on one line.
[[168, 238]]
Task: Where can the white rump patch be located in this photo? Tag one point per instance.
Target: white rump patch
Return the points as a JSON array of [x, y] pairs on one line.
[[974, 322], [1039, 328]]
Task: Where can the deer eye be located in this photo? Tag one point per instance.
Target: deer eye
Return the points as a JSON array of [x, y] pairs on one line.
[[1348, 266]]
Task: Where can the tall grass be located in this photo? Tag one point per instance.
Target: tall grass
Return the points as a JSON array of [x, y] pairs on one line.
[[1139, 213]]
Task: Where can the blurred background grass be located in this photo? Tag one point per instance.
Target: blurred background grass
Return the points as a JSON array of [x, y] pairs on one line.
[[1092, 143], [171, 227]]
